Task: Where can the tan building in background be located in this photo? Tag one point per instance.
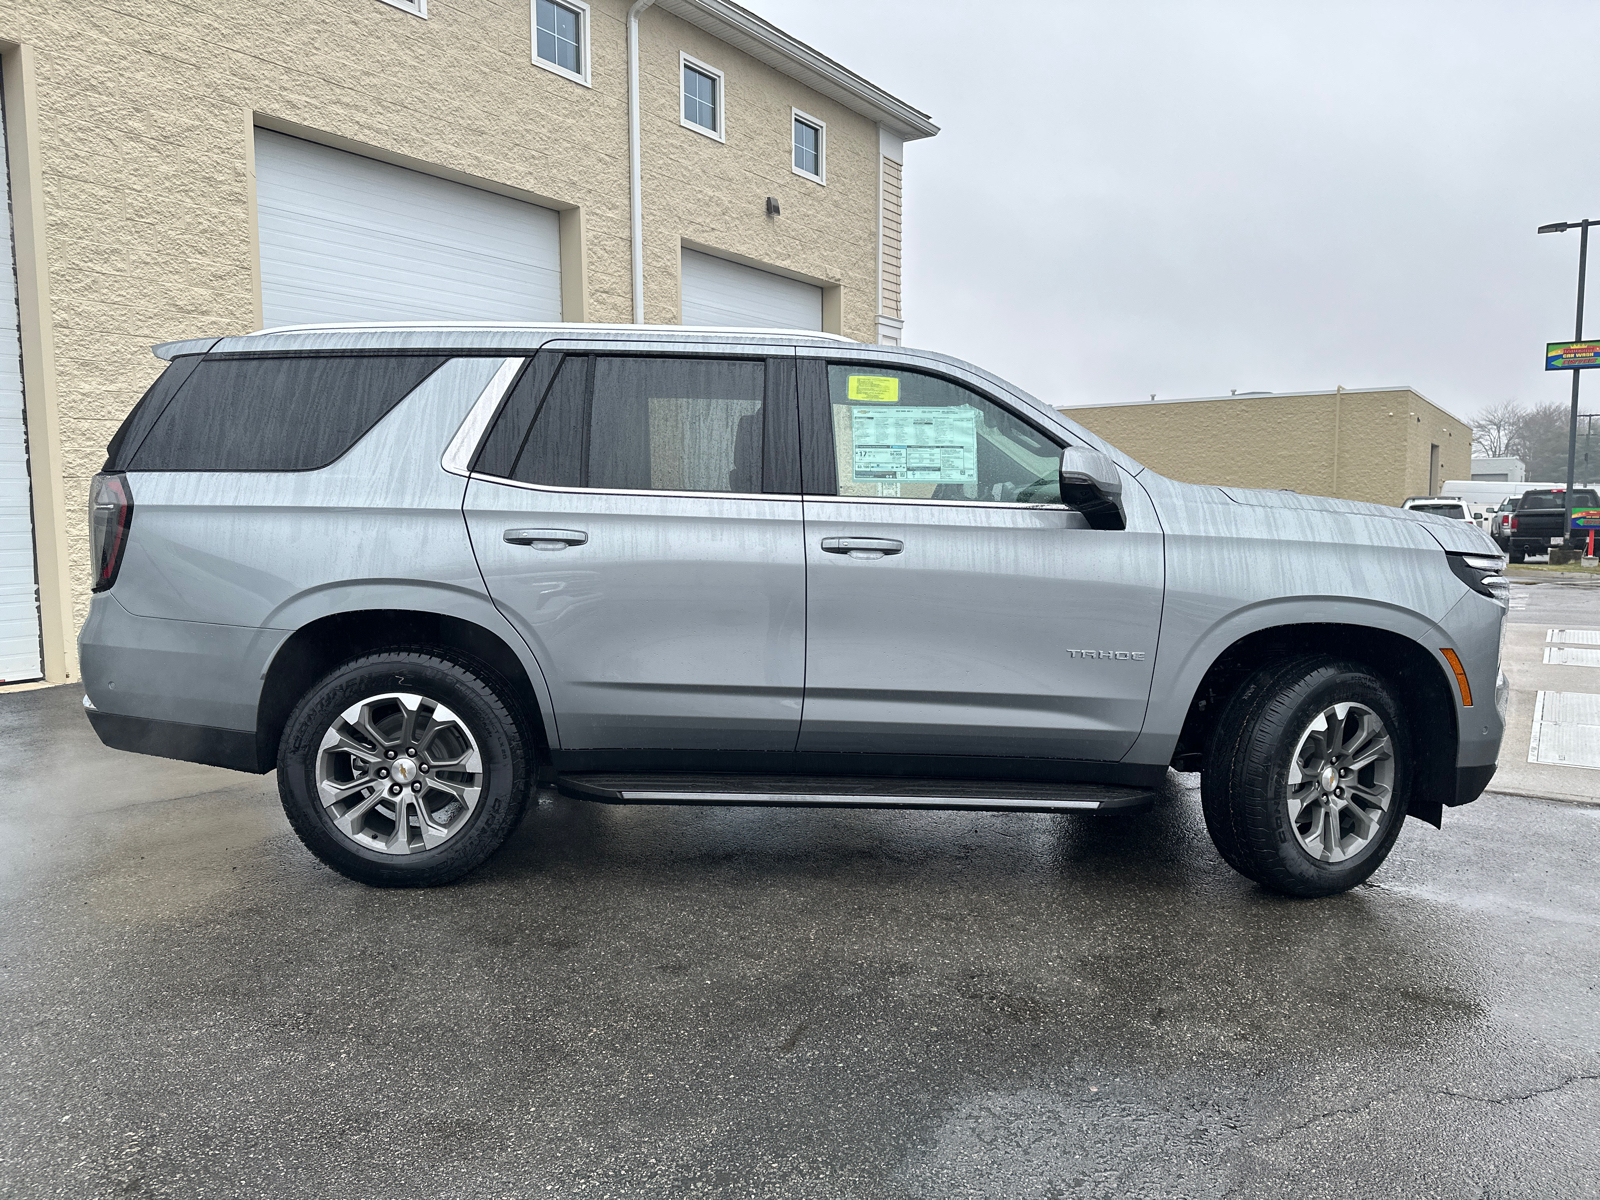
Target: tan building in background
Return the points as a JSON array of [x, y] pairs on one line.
[[181, 169], [1375, 444]]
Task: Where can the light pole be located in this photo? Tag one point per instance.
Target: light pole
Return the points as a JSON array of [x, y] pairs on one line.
[[1577, 336]]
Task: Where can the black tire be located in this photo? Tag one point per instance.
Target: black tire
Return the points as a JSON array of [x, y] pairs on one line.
[[1516, 553], [477, 697], [1245, 788]]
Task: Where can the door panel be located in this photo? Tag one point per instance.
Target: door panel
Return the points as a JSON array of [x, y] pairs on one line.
[[977, 636], [946, 613], [678, 624], [637, 518]]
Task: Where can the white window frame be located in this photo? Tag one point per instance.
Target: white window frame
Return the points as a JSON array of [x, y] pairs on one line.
[[417, 8], [582, 9], [822, 146], [721, 132]]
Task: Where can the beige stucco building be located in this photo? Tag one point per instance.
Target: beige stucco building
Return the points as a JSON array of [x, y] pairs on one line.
[[1374, 444], [181, 169]]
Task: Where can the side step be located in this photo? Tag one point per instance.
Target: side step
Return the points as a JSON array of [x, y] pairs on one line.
[[836, 791]]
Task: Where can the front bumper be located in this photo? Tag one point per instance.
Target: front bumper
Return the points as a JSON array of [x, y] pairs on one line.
[[1471, 782]]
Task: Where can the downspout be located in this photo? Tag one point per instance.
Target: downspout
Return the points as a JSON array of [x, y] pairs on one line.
[[635, 197], [1338, 433]]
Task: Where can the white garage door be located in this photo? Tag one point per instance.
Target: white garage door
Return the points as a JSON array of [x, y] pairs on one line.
[[347, 238], [719, 292], [19, 586]]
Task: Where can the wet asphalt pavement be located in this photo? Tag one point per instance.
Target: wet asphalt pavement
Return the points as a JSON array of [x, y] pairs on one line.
[[702, 1002]]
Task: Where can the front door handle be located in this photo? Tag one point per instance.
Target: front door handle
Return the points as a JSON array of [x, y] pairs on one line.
[[546, 539], [862, 547]]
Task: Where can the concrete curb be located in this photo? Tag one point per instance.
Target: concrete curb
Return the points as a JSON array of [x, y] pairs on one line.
[[1574, 801]]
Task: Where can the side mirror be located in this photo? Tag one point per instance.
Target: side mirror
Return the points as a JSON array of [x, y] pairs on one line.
[[1091, 483]]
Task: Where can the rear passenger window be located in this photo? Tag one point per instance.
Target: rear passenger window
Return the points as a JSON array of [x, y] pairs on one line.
[[275, 414], [676, 425], [137, 423], [635, 424]]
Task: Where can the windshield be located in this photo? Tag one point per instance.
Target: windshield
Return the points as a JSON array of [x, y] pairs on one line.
[[1443, 510], [1581, 498]]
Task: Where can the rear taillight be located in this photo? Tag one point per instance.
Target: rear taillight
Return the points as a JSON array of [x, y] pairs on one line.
[[110, 516], [1513, 524]]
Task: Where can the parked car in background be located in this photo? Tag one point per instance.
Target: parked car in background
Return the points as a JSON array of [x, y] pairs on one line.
[[1452, 507], [1498, 519], [1484, 497], [418, 570], [1540, 520]]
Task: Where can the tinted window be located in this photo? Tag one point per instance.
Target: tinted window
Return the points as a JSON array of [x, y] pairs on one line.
[[502, 444], [552, 452], [636, 424], [137, 423], [1442, 510], [276, 414], [676, 424], [1581, 498], [914, 436]]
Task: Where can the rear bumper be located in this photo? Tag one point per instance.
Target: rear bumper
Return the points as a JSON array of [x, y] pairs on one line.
[[232, 748]]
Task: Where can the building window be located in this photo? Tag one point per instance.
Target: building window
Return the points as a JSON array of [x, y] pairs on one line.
[[561, 38], [417, 8], [810, 146], [702, 98]]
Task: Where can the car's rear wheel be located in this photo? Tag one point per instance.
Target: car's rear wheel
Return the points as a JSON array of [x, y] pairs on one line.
[[1307, 776], [1516, 553], [403, 768]]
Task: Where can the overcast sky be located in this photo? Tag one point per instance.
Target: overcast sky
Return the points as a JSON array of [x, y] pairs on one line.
[[1131, 197]]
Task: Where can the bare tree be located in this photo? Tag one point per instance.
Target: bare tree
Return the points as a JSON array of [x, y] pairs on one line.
[[1540, 441], [1497, 428]]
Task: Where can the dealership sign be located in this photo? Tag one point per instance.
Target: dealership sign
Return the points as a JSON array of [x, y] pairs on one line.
[[1571, 356]]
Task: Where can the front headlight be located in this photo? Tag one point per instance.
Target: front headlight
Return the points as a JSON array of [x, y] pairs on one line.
[[1481, 573]]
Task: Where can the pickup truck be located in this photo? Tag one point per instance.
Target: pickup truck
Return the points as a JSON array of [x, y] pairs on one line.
[[1542, 515]]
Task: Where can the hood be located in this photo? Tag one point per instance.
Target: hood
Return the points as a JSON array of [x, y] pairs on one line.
[[1459, 537]]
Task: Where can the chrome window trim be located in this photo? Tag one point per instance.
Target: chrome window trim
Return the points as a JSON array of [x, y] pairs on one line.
[[565, 491], [820, 499], [570, 491], [457, 458]]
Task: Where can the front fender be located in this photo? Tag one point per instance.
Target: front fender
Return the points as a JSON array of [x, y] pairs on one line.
[[1182, 663]]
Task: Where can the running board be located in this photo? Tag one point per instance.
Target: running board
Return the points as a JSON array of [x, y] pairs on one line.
[[834, 791]]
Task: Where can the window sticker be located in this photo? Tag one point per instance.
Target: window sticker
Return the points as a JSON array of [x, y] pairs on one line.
[[914, 445], [880, 389]]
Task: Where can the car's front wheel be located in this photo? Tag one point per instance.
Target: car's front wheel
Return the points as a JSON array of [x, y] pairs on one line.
[[1307, 776], [403, 768]]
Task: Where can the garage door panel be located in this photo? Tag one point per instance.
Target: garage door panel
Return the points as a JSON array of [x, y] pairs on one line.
[[347, 238], [19, 590], [727, 294]]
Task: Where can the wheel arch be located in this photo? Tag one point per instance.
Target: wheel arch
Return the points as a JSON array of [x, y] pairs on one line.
[[1418, 675], [321, 644]]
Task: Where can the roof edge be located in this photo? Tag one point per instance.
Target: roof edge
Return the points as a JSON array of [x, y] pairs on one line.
[[743, 30], [1348, 391]]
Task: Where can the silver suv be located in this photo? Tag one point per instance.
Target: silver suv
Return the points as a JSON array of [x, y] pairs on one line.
[[418, 570]]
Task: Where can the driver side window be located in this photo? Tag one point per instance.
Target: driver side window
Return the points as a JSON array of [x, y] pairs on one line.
[[911, 436]]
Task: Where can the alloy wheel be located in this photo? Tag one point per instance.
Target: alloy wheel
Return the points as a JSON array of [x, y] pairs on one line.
[[399, 773], [1341, 782]]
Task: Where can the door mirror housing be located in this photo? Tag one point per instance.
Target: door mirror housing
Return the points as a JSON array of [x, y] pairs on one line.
[[1091, 483]]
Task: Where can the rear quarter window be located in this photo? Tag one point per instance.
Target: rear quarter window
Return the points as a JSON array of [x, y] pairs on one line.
[[273, 413]]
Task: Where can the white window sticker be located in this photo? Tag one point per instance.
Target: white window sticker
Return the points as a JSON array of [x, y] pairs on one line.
[[915, 445]]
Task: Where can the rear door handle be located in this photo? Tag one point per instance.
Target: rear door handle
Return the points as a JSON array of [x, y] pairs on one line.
[[546, 539], [862, 547]]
